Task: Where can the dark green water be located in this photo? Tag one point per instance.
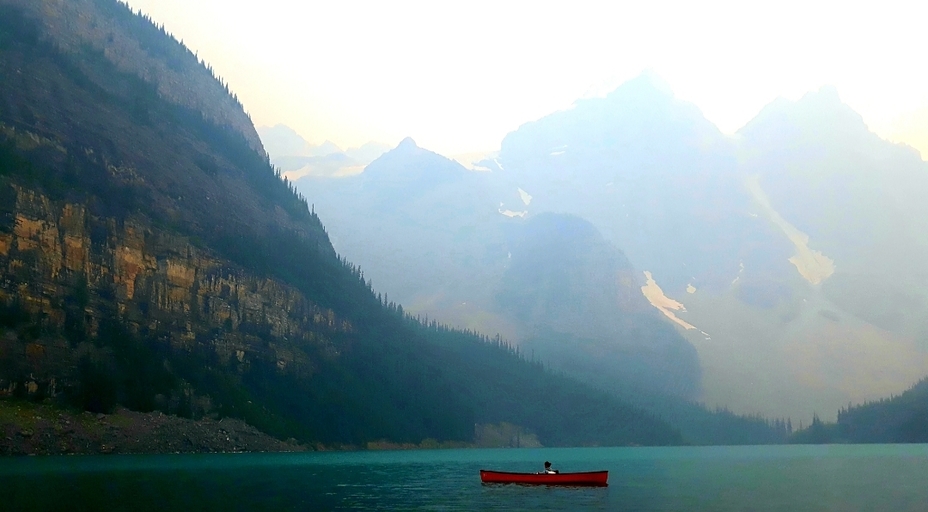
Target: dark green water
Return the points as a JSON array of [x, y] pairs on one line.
[[767, 478]]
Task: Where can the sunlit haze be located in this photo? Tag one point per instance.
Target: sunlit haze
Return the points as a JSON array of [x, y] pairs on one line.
[[423, 231], [458, 76]]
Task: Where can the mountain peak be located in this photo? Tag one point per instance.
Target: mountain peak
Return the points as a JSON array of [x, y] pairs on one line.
[[326, 148], [826, 97], [407, 143], [640, 113], [828, 91], [646, 85], [414, 163], [817, 114]]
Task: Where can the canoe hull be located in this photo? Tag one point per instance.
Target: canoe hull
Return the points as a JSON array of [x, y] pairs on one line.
[[588, 478]]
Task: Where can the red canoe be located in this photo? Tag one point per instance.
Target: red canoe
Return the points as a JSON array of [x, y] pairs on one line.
[[596, 478]]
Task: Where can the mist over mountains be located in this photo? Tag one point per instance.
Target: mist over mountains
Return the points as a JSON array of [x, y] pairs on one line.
[[151, 257], [653, 174], [633, 260], [790, 255], [858, 197], [578, 304], [296, 157], [430, 232]]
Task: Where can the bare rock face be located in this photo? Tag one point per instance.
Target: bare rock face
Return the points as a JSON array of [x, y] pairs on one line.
[[109, 200], [148, 250], [56, 258], [43, 429]]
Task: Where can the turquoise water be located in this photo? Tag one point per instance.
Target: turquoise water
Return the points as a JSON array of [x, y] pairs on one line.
[[764, 478]]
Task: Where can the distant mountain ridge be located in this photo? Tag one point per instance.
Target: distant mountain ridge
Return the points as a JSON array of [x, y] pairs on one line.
[[405, 211], [740, 232], [651, 172], [860, 197], [793, 253], [297, 158], [283, 140], [569, 298], [409, 165]]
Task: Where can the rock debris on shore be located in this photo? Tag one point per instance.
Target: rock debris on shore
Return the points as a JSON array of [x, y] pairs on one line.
[[41, 429]]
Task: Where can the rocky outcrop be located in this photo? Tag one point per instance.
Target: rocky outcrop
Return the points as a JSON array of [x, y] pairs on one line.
[[56, 258]]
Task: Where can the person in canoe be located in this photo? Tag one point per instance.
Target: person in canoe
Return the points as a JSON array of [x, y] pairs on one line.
[[549, 470]]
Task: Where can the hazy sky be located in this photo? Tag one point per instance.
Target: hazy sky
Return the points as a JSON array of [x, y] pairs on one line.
[[458, 76]]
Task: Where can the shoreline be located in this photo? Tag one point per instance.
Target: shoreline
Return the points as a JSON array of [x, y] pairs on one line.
[[29, 428], [46, 428]]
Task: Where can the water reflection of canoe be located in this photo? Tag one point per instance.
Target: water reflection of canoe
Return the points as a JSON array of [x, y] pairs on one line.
[[595, 478]]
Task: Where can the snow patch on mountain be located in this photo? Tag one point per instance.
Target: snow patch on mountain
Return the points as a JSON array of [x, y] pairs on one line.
[[812, 265], [511, 213], [663, 303]]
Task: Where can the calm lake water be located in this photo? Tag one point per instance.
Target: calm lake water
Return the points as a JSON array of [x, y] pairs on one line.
[[774, 478]]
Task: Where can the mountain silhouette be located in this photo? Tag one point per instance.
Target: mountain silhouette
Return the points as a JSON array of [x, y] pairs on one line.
[[792, 254], [656, 177]]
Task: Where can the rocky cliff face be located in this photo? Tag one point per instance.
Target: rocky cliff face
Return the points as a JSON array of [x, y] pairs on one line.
[[149, 254], [68, 268]]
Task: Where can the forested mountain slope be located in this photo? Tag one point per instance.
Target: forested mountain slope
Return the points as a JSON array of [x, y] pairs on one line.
[[150, 256], [898, 419]]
